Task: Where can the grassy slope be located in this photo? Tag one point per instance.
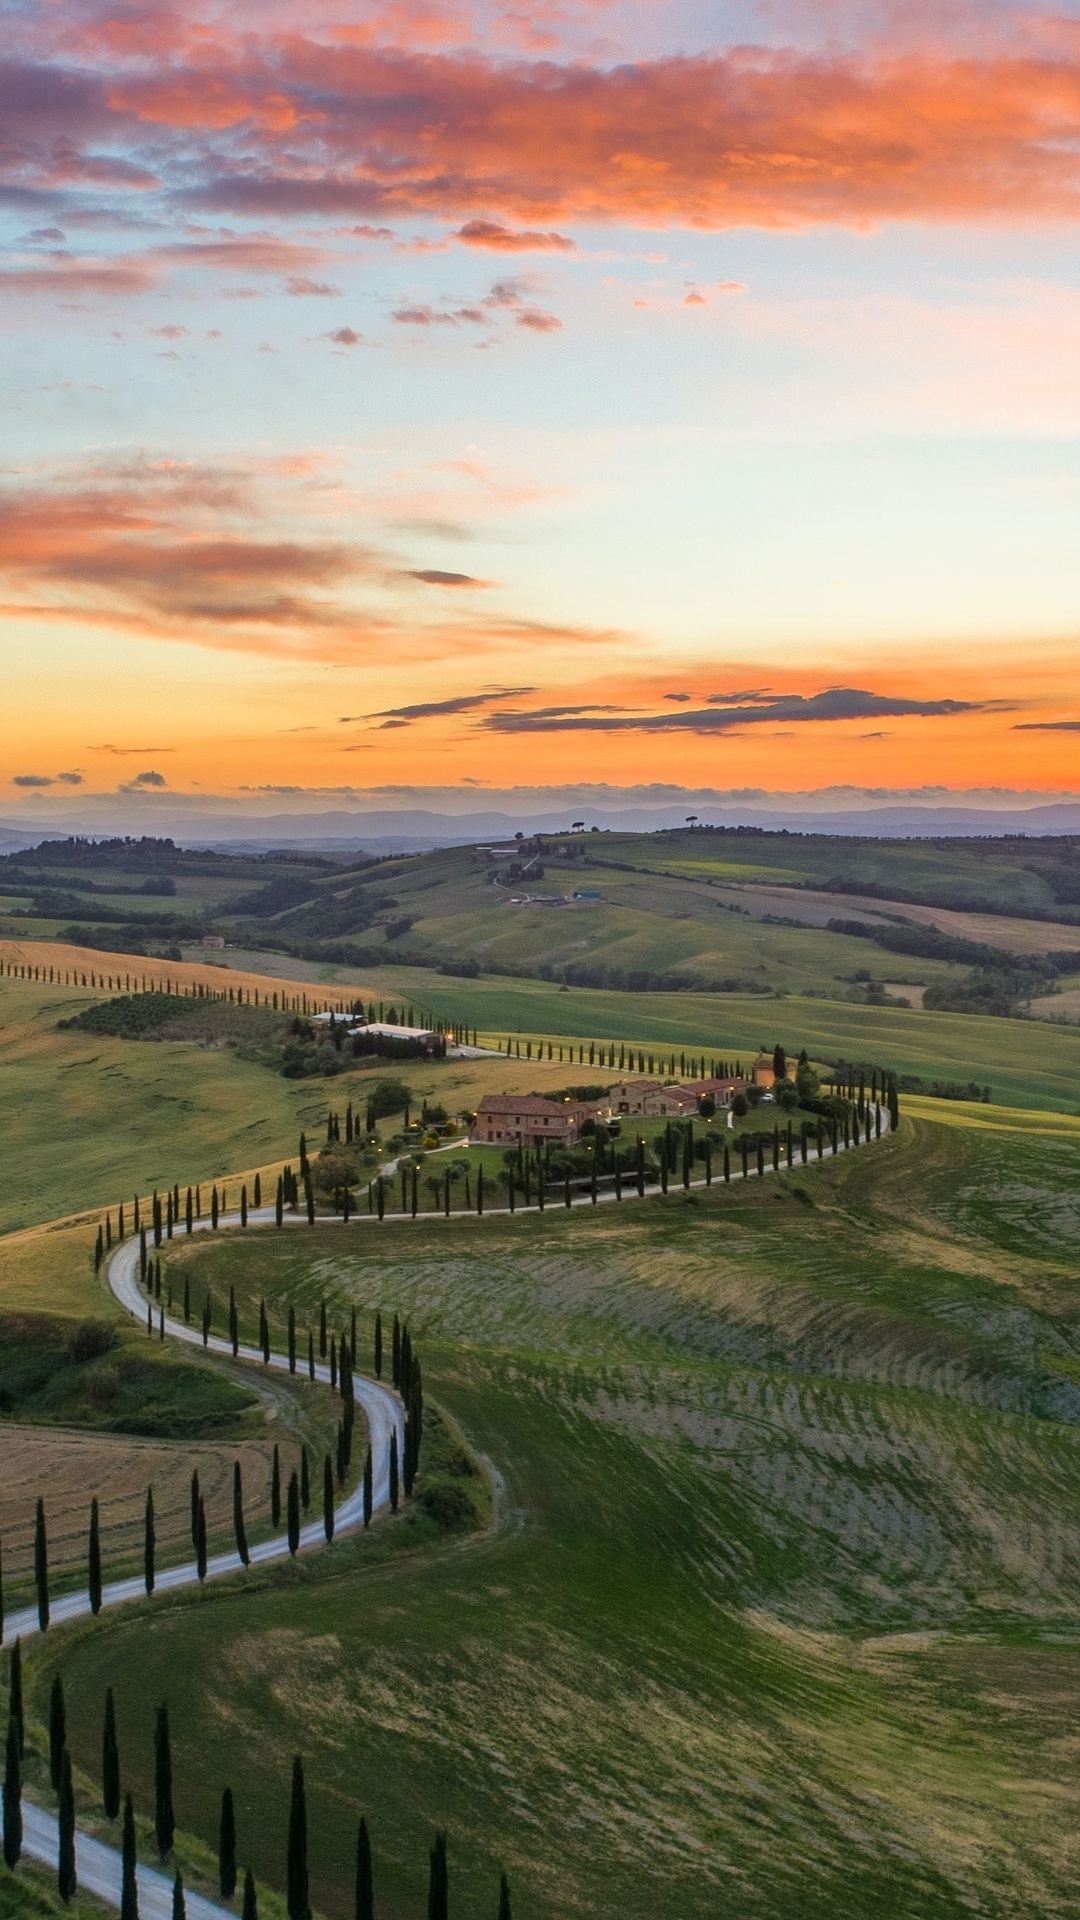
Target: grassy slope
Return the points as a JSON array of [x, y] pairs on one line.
[[86, 1119], [782, 1610]]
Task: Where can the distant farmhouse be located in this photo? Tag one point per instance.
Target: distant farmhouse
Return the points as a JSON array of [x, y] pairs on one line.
[[526, 1118]]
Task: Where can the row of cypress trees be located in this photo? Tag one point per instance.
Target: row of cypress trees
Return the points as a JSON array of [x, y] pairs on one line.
[[60, 1774], [297, 1877], [297, 1874]]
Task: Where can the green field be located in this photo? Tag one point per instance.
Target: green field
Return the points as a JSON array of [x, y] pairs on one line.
[[782, 1606], [87, 1119]]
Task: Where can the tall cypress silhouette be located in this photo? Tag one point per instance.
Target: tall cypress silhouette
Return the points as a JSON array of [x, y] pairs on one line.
[[275, 1488], [393, 1471], [368, 1487], [164, 1818], [251, 1904], [110, 1760], [65, 1818], [195, 1507], [179, 1904], [296, 1865], [13, 1822], [365, 1898], [238, 1514], [57, 1731], [292, 1514], [328, 1498], [227, 1846], [149, 1542], [504, 1898], [41, 1566], [129, 1893], [200, 1540], [94, 1559], [437, 1905]]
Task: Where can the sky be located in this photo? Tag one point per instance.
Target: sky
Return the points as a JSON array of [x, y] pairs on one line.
[[434, 393]]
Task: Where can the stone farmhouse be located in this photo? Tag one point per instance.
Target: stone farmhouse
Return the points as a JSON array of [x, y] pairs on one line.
[[507, 1119]]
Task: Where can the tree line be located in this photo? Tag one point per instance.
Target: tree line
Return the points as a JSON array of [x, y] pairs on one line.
[[118, 1805]]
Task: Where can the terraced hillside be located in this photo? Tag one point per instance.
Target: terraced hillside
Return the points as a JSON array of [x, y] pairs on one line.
[[782, 1606]]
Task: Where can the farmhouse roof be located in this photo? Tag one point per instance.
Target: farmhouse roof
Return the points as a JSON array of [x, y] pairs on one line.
[[523, 1103]]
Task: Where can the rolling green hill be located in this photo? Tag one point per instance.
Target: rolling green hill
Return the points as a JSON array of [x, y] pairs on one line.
[[781, 1610]]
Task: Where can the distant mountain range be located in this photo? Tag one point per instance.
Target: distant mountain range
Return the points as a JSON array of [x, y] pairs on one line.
[[418, 829]]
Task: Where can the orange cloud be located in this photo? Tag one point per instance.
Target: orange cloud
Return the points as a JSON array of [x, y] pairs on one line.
[[747, 136]]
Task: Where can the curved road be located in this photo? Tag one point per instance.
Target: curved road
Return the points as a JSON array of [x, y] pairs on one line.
[[98, 1866]]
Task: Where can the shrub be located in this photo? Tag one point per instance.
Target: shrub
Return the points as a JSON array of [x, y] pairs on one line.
[[90, 1339]]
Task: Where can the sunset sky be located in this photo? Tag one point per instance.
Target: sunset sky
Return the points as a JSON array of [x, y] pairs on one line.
[[427, 393]]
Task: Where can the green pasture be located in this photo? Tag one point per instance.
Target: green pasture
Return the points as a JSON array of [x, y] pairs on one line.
[[1027, 1063], [781, 1610]]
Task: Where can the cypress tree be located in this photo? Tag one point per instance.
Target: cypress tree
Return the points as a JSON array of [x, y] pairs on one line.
[[333, 1361], [305, 1480], [395, 1354], [94, 1560], [200, 1540], [293, 1513], [727, 1162], [322, 1331], [57, 1731], [15, 1694], [504, 1898], [41, 1566], [279, 1203], [164, 1818], [234, 1322], [275, 1488], [187, 1298], [368, 1482], [179, 1905], [393, 1471], [13, 1822], [110, 1760], [296, 1871], [365, 1897], [264, 1333], [149, 1542], [129, 1892], [437, 1881], [195, 1507], [340, 1454], [188, 1213], [243, 1206], [311, 1354], [227, 1846], [238, 1514], [258, 1190], [251, 1905], [378, 1346], [328, 1498], [65, 1866], [214, 1209]]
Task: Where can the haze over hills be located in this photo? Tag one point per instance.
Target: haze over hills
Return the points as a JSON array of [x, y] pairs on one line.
[[428, 817]]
